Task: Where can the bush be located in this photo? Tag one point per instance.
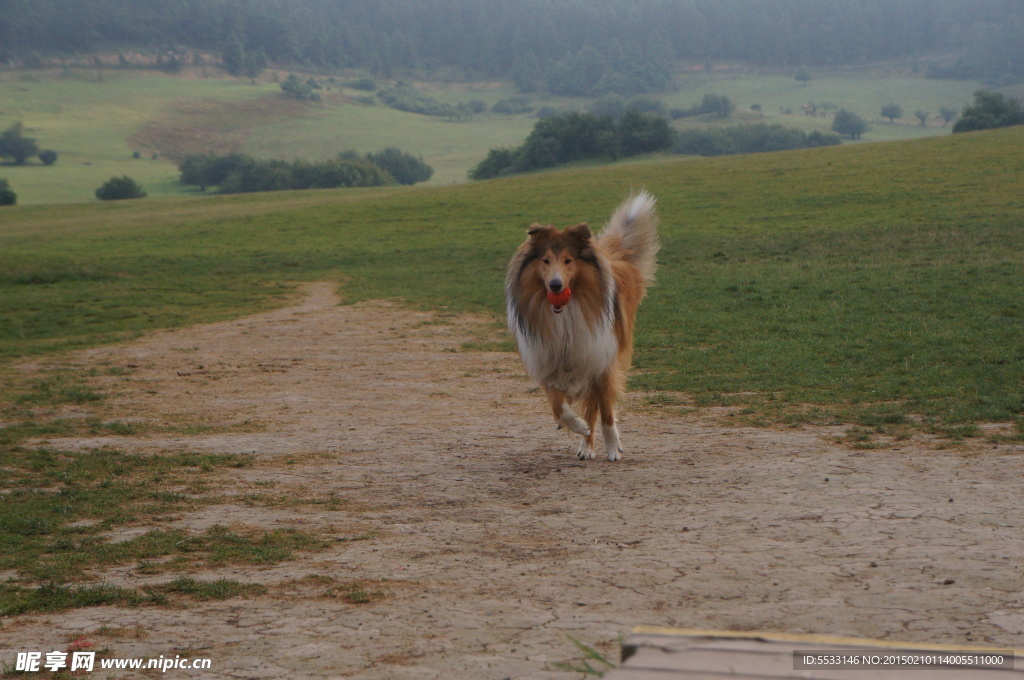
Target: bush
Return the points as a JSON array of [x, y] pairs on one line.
[[513, 106], [990, 110], [7, 197], [367, 84], [404, 167], [757, 138], [238, 173], [303, 90], [204, 170], [577, 136], [717, 104], [120, 188], [344, 171], [849, 123], [643, 133], [404, 97], [48, 156]]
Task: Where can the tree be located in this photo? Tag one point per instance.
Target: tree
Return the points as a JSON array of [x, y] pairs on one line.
[[253, 64], [527, 73], [14, 144], [120, 188], [990, 110], [849, 123], [7, 197], [48, 156], [718, 104], [205, 170], [234, 55], [307, 90], [643, 133], [498, 162], [892, 111], [404, 167], [947, 114], [922, 116], [802, 76]]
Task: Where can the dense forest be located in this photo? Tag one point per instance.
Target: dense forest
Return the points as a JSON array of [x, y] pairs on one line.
[[529, 39]]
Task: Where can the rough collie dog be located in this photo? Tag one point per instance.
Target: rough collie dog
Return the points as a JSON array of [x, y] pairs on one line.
[[572, 300]]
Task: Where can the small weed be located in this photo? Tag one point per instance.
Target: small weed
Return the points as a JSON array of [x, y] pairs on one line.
[[221, 589], [859, 438], [583, 665], [358, 592]]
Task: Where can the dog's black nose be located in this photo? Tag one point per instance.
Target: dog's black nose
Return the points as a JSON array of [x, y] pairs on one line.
[[555, 285]]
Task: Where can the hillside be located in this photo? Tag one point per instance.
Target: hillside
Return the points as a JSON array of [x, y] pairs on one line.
[[870, 283], [99, 120]]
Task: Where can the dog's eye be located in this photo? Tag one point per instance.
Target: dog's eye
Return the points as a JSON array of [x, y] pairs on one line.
[[568, 260], [547, 261]]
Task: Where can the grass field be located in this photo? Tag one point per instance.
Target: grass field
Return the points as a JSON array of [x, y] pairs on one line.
[[97, 119], [864, 94], [874, 283]]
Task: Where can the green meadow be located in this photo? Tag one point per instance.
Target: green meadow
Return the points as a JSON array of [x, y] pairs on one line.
[[97, 119], [874, 284], [863, 93]]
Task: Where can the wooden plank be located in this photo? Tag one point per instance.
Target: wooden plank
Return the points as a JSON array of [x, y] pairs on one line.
[[778, 663], [675, 654], [811, 639]]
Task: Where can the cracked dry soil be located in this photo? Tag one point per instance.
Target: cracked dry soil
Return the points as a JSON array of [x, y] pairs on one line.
[[491, 542]]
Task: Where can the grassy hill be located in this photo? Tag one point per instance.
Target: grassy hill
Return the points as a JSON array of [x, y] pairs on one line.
[[97, 119], [869, 283]]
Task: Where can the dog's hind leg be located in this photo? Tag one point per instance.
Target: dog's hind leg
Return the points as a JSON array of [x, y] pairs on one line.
[[606, 395], [590, 412], [563, 413]]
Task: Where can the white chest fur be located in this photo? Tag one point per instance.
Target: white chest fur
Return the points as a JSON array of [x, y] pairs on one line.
[[574, 354]]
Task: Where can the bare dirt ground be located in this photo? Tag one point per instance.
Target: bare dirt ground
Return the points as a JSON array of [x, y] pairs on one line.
[[491, 543]]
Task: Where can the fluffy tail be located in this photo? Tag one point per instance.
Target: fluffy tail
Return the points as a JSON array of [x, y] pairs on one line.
[[633, 228]]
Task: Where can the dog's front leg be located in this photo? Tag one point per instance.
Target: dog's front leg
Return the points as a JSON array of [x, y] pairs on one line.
[[563, 413]]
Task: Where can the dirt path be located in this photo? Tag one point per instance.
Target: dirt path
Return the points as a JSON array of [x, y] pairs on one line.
[[492, 542]]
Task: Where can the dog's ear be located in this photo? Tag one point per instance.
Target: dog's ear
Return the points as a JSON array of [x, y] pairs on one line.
[[537, 230], [581, 232]]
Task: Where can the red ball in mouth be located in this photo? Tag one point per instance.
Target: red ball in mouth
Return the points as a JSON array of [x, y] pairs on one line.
[[559, 300]]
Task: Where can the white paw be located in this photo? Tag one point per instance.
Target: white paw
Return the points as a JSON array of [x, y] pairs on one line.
[[612, 445], [573, 422], [586, 451]]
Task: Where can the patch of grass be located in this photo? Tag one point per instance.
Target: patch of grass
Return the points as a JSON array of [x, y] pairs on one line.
[[52, 597], [63, 387], [358, 592], [220, 589], [57, 504]]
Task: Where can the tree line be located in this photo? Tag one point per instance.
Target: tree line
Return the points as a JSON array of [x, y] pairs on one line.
[[557, 140], [572, 46], [576, 136], [241, 173]]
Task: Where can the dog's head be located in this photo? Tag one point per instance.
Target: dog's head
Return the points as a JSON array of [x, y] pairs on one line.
[[555, 259]]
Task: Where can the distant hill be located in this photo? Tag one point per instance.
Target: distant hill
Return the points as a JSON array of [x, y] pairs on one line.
[[573, 46]]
